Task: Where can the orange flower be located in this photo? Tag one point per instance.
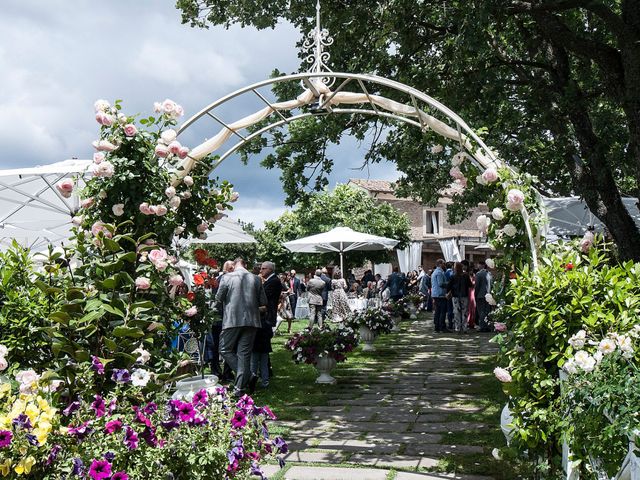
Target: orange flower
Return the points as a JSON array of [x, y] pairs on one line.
[[198, 279]]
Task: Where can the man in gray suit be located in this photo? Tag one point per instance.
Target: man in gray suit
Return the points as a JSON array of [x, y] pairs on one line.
[[482, 287], [315, 287], [242, 296]]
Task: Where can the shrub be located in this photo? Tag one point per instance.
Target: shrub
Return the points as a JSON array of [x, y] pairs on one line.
[[310, 344], [377, 320]]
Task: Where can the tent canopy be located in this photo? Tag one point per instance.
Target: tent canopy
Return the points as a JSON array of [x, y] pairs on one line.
[[32, 211], [226, 230], [340, 240]]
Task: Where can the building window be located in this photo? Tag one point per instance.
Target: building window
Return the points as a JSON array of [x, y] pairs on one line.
[[432, 222]]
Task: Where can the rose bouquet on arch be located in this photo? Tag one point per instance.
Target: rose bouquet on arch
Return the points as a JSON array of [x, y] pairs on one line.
[[126, 289], [310, 344]]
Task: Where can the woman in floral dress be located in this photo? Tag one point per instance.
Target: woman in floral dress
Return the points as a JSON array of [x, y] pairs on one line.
[[340, 308]]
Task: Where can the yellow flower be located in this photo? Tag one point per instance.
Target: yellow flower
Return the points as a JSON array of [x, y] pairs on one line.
[[41, 434], [5, 389], [24, 465], [5, 467], [42, 403], [32, 412], [5, 422]]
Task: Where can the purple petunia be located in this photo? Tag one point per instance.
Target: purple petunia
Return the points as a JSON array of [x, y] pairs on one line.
[[22, 421], [170, 424], [149, 436], [256, 471], [113, 426], [112, 406], [53, 454], [81, 431], [140, 417], [201, 397], [130, 438], [99, 407], [245, 403], [73, 407], [121, 375], [97, 365], [239, 419], [78, 467], [150, 408], [100, 469], [186, 412], [32, 439], [5, 438], [109, 456], [281, 445], [120, 476]]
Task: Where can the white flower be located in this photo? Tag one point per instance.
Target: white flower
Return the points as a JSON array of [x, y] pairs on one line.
[[118, 209], [490, 175], [77, 220], [101, 105], [607, 346], [497, 213], [234, 197], [490, 300], [585, 361], [122, 118], [480, 180], [490, 263], [437, 149], [577, 340], [188, 180], [140, 377], [168, 136], [483, 223], [3, 364], [174, 202], [510, 230], [496, 454], [28, 380], [104, 169], [503, 375], [178, 230], [157, 107], [143, 355], [570, 366], [598, 356], [170, 192], [515, 200], [203, 227], [104, 146], [3, 351], [625, 344], [457, 159]]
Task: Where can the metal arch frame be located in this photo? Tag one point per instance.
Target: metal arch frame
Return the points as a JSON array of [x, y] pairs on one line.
[[323, 76], [307, 76]]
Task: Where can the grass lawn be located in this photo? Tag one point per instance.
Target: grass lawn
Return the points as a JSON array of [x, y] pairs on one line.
[[293, 391]]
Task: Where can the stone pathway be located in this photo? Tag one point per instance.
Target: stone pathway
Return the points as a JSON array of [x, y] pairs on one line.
[[397, 419]]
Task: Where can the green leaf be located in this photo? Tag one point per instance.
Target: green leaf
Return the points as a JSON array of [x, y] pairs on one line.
[[129, 332]]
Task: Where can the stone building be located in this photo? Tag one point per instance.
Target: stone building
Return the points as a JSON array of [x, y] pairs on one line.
[[429, 225]]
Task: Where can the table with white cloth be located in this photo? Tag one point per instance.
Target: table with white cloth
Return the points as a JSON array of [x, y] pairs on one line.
[[356, 304], [302, 307]]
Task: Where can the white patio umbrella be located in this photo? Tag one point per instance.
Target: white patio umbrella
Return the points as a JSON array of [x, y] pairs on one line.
[[226, 230], [340, 240], [32, 211]]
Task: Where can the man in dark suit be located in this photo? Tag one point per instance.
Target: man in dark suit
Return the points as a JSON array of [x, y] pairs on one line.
[[294, 291], [482, 287], [216, 330], [242, 297], [325, 293], [272, 289]]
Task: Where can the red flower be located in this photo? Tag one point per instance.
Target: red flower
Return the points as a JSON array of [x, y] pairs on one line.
[[191, 296], [204, 274], [198, 280], [212, 263], [569, 266], [201, 256]]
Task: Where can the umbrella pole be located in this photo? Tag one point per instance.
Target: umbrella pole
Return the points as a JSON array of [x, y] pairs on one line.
[[342, 263]]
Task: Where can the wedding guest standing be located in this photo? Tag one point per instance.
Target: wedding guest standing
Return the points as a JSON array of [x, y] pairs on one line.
[[242, 296], [459, 286], [325, 292], [395, 284], [262, 343], [482, 287], [315, 287], [439, 294], [294, 290], [213, 356], [340, 308]]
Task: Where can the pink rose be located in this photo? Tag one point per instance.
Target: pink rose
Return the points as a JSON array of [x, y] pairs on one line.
[[188, 181], [587, 241], [191, 311], [77, 220], [515, 199], [203, 227], [161, 151], [3, 364], [143, 283], [174, 147], [456, 173], [98, 157], [179, 111], [158, 255], [170, 192], [176, 280], [144, 208], [65, 187], [161, 266], [87, 202], [161, 210], [104, 169], [490, 175], [157, 107], [500, 327], [503, 375], [130, 130], [168, 106], [183, 152], [462, 182], [98, 227], [118, 209], [104, 119], [168, 136], [174, 202], [104, 146]]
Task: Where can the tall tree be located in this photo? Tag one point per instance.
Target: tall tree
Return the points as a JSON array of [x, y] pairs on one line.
[[555, 83], [345, 206]]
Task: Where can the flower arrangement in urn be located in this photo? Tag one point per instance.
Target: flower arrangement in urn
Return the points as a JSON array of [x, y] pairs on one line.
[[377, 320], [310, 344]]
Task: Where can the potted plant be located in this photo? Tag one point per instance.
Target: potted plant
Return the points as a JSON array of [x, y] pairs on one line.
[[322, 347], [413, 301], [371, 323]]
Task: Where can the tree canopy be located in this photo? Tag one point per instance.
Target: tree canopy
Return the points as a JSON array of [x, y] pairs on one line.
[[553, 84], [345, 206]]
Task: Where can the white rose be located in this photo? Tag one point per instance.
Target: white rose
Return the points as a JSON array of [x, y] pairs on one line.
[[435, 149], [168, 136], [457, 159], [490, 263], [577, 340], [122, 118], [570, 366], [104, 170], [607, 346], [497, 214], [77, 220], [118, 209], [509, 230], [101, 105], [178, 230], [188, 181], [157, 107], [483, 223], [186, 195], [490, 300], [174, 202], [585, 361], [170, 192], [3, 351], [3, 364], [102, 194], [140, 377], [480, 180], [169, 106]]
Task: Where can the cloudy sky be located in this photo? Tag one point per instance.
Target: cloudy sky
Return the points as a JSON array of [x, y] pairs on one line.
[[57, 57]]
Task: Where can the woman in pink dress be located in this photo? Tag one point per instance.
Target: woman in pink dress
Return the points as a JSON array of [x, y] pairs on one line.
[[471, 318]]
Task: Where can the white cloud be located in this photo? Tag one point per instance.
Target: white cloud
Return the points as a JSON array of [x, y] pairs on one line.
[[256, 210]]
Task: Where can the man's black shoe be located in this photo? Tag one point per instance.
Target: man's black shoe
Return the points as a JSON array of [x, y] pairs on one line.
[[253, 381]]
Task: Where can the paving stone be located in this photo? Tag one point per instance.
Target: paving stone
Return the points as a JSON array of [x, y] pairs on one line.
[[440, 450], [448, 427], [325, 473], [393, 461], [438, 476], [312, 457], [379, 427], [270, 470]]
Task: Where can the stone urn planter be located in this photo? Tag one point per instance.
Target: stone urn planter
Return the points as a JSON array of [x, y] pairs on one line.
[[396, 323], [413, 311], [367, 337], [185, 389], [324, 365]]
